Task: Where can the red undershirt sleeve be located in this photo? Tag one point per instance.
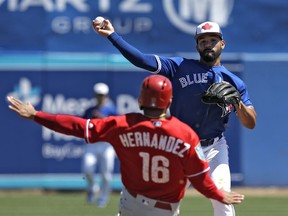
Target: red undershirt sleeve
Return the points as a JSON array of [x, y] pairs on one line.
[[205, 185], [65, 124]]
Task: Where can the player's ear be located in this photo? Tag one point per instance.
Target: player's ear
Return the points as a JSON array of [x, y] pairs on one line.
[[197, 47], [223, 44]]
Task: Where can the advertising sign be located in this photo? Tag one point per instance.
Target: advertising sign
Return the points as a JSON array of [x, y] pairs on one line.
[[161, 26]]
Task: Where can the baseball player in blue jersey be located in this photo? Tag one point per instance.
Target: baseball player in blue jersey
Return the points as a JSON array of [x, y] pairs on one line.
[[190, 79], [101, 153]]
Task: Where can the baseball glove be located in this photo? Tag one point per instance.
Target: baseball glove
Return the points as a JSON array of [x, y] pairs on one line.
[[222, 93]]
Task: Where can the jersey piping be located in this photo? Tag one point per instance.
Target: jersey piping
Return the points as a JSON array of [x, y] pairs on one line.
[[207, 169]]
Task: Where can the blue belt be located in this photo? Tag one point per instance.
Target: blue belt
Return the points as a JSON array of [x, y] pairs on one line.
[[208, 142]]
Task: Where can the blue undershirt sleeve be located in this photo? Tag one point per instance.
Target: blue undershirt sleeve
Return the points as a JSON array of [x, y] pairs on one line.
[[133, 55]]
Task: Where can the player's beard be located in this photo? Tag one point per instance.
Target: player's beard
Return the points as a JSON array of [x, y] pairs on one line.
[[209, 55]]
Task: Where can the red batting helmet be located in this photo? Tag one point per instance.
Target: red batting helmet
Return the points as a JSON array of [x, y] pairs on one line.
[[156, 92]]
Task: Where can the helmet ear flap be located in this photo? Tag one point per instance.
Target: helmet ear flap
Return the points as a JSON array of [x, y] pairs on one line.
[[156, 92]]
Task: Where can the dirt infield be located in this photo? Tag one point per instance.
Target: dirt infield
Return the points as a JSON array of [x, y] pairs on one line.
[[252, 191]]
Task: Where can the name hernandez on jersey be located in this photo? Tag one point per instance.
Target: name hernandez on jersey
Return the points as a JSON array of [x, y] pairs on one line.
[[162, 142]]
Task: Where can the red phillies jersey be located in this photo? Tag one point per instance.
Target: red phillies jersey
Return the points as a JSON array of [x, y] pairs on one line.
[[156, 156]]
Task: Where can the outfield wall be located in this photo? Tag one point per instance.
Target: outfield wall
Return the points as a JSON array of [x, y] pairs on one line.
[[41, 156]]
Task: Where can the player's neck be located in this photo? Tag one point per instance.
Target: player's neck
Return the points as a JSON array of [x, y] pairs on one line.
[[162, 117], [101, 103], [155, 113], [217, 62]]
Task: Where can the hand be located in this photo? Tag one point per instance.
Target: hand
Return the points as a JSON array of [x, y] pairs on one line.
[[26, 111], [232, 197], [104, 31]]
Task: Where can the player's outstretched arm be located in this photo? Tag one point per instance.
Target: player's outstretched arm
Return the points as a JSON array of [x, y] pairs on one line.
[[205, 185], [65, 124], [136, 57], [26, 111]]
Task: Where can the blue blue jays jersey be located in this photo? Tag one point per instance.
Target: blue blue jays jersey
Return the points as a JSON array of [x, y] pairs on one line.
[[190, 79]]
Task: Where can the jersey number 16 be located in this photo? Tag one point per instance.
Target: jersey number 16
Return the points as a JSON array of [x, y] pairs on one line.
[[156, 168]]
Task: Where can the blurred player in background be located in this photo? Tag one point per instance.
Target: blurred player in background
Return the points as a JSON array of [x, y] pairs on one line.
[[190, 79], [158, 154], [101, 153]]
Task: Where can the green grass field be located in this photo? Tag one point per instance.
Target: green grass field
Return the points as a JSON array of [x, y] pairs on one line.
[[73, 204]]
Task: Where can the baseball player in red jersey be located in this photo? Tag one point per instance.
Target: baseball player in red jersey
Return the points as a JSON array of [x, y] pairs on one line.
[[158, 153]]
